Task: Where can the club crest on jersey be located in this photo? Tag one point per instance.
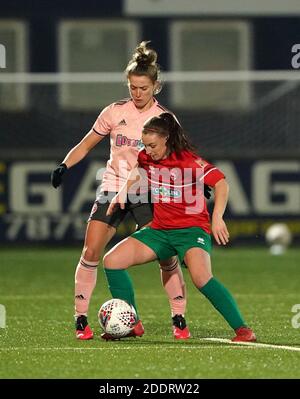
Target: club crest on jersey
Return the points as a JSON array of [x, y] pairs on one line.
[[173, 175]]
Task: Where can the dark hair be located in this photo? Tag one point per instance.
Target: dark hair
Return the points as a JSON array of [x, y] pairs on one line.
[[166, 125], [143, 63]]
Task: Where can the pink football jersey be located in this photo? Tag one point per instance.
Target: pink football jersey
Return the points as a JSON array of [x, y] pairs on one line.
[[123, 121]]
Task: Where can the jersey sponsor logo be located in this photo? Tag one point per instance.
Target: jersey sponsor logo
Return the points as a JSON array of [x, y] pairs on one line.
[[123, 140], [166, 192]]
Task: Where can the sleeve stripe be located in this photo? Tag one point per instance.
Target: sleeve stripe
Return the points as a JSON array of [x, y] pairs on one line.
[[206, 173], [100, 134]]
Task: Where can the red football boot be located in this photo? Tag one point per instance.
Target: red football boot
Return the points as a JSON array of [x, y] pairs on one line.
[[137, 331], [180, 329], [83, 330], [244, 334], [181, 334]]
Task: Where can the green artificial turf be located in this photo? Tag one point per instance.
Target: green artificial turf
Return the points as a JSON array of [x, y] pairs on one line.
[[36, 288]]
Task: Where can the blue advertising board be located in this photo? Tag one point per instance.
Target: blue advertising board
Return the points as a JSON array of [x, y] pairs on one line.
[[262, 192]]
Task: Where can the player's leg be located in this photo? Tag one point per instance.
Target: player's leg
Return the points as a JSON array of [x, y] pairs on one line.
[[199, 266], [170, 271], [174, 285], [98, 234], [127, 253]]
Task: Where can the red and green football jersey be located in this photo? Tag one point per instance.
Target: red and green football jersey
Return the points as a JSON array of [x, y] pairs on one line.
[[177, 189]]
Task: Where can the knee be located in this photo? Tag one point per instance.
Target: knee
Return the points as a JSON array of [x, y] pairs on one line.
[[106, 261], [110, 261], [169, 265], [90, 254], [201, 281]]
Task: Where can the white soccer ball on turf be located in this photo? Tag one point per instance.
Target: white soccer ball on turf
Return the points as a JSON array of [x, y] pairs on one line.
[[117, 317], [279, 237]]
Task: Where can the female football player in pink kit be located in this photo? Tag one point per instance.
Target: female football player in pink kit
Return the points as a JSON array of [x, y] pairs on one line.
[[123, 121], [181, 223]]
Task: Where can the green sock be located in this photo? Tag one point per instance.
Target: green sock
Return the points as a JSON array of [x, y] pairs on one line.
[[120, 285], [224, 302]]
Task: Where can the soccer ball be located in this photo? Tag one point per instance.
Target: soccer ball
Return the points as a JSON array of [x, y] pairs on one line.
[[279, 237], [117, 317]]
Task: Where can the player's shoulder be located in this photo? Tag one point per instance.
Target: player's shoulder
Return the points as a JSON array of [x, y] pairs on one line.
[[122, 102], [143, 158], [192, 159], [117, 105], [115, 109], [162, 108], [189, 155], [142, 155]]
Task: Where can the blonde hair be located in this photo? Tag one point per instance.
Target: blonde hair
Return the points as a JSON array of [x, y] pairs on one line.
[[144, 63]]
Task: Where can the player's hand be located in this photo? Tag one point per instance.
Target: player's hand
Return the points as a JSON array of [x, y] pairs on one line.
[[115, 202], [207, 191], [219, 230], [56, 175]]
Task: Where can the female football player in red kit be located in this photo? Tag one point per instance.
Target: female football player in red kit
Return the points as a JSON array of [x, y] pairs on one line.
[[181, 223]]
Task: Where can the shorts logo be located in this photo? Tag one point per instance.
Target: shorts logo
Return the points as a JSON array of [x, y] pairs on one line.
[[94, 209], [200, 240]]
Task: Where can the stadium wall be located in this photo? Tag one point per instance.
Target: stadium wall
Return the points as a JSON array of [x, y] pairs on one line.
[[260, 147], [273, 38], [32, 211]]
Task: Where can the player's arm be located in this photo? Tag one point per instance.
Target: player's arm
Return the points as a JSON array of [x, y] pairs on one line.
[[76, 154], [80, 151], [219, 228], [100, 129], [120, 198]]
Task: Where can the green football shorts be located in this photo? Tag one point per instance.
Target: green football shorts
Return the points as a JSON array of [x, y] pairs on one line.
[[167, 243]]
